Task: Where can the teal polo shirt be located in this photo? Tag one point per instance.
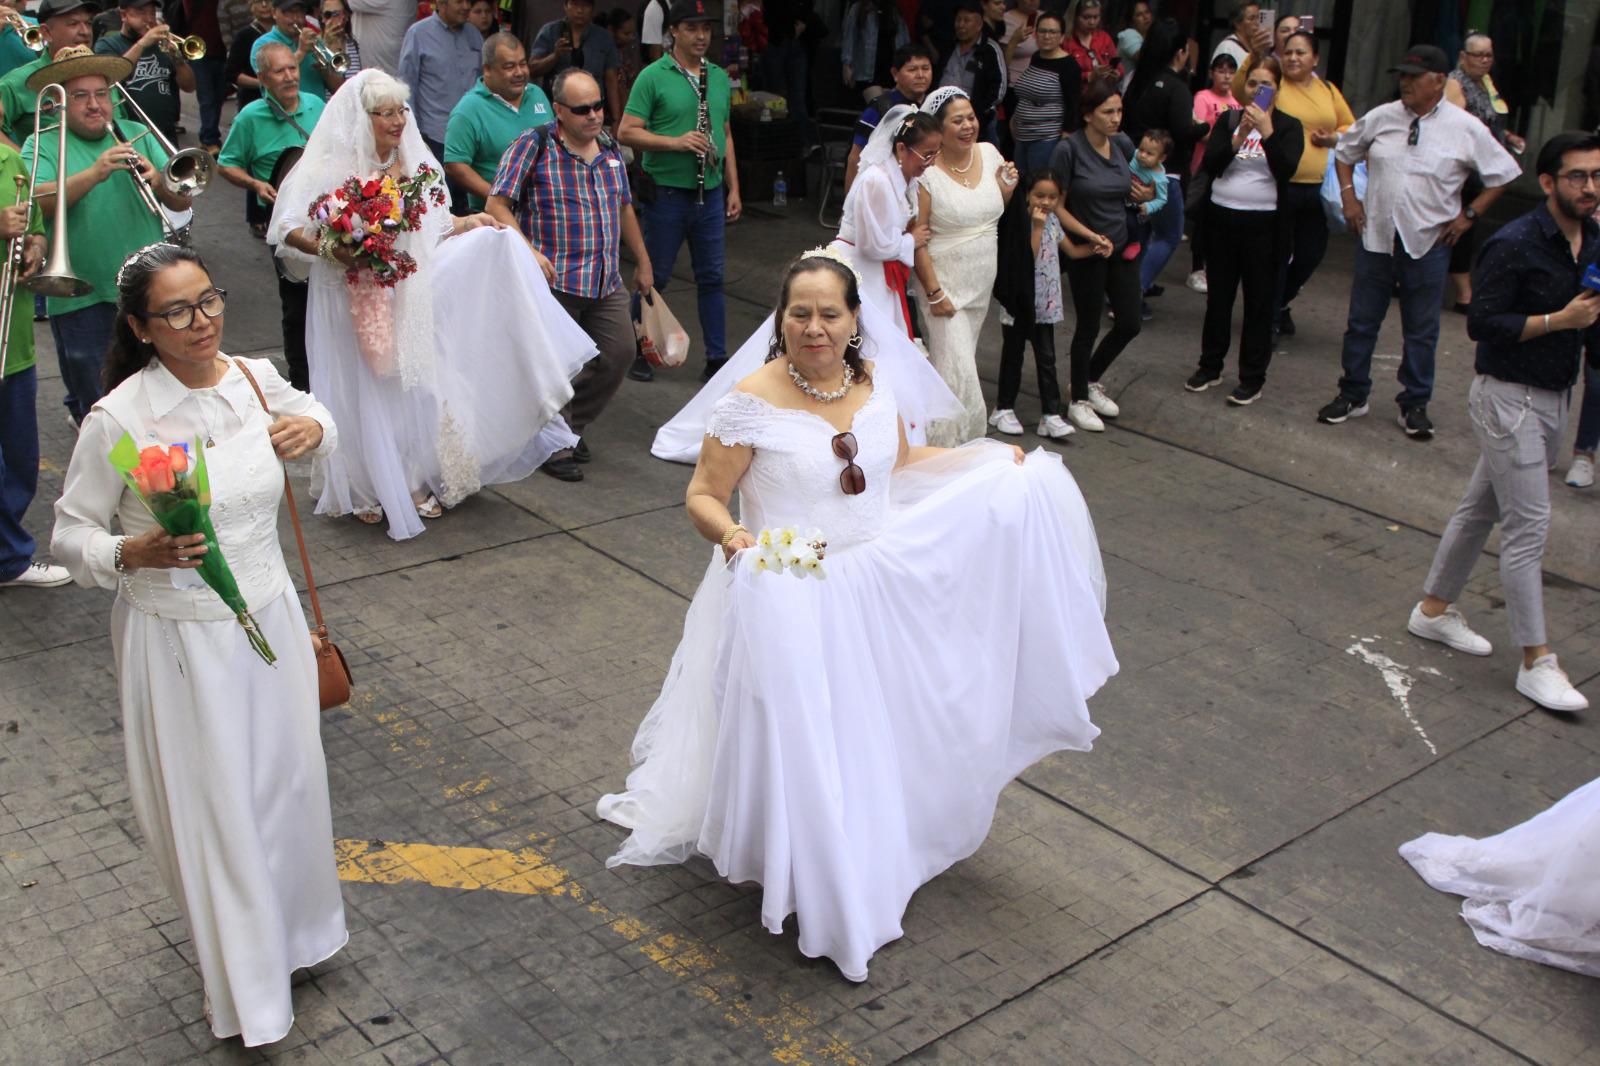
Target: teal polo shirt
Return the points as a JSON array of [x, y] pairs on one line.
[[13, 53], [259, 135], [483, 125], [310, 73]]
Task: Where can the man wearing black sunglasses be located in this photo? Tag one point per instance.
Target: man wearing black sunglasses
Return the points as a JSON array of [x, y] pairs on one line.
[[1419, 152]]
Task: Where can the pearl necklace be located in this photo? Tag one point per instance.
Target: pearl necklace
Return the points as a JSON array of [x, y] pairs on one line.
[[816, 394], [972, 157], [394, 157]]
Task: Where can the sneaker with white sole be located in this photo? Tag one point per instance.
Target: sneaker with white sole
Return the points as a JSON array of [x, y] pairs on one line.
[[1449, 629], [1055, 427], [39, 576], [1005, 420], [1546, 684], [1580, 475], [1197, 282], [1083, 416], [1103, 405]]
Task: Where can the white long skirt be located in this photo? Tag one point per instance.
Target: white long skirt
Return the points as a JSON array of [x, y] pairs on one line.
[[843, 741], [228, 782], [1532, 891]]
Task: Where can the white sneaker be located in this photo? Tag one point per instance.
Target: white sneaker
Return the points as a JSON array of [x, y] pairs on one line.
[[1197, 282], [1005, 420], [39, 576], [1546, 684], [1083, 416], [1449, 629], [1055, 427], [1580, 475], [1103, 405]]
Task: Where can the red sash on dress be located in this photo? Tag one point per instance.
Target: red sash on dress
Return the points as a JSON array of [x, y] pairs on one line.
[[896, 274]]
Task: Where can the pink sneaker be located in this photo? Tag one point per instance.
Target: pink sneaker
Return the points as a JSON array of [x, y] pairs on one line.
[[1132, 250]]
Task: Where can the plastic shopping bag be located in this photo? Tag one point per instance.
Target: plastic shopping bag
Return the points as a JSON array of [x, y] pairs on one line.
[[1332, 201], [662, 340]]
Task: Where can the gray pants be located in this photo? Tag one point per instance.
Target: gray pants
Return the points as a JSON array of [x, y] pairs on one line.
[[1519, 430], [608, 324]]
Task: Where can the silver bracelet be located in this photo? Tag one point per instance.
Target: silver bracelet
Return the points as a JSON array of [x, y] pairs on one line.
[[1547, 325], [116, 555]]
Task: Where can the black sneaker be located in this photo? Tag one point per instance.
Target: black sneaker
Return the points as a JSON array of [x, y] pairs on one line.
[[562, 468], [640, 370], [1145, 314], [1339, 410], [711, 370], [1155, 290], [1243, 395], [1414, 420], [1285, 323], [1200, 381], [581, 451]]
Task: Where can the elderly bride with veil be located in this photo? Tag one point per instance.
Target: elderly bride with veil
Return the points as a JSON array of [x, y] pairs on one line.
[[842, 741], [448, 381]]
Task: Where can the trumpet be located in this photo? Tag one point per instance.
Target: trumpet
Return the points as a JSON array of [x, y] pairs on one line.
[[188, 170], [55, 276], [32, 35], [328, 59], [191, 48]]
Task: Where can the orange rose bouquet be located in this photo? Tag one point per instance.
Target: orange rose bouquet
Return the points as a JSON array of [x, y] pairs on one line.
[[176, 491]]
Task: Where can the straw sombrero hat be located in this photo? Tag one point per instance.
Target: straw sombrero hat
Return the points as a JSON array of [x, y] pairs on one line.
[[76, 60]]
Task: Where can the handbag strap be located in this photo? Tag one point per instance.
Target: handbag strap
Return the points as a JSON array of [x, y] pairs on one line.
[[294, 512]]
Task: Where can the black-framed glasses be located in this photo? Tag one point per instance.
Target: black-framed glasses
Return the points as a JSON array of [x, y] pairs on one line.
[[583, 109], [852, 479], [333, 13], [182, 316], [1416, 131], [1579, 178]]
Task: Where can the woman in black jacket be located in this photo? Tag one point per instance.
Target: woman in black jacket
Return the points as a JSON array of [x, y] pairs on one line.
[[1251, 155]]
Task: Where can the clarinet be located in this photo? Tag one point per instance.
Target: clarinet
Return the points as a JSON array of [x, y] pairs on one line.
[[702, 124]]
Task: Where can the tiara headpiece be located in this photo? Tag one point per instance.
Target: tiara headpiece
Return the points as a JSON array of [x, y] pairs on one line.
[[828, 251], [122, 270]]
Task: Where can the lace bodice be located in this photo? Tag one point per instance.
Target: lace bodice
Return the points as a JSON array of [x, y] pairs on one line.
[[794, 478]]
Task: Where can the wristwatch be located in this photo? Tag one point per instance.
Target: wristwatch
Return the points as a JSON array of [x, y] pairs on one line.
[[1470, 214]]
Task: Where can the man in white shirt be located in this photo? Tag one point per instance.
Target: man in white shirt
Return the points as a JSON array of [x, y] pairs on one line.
[[1418, 152], [653, 30], [380, 26]]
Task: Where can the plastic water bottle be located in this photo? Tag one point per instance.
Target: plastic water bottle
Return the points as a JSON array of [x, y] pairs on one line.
[[780, 191]]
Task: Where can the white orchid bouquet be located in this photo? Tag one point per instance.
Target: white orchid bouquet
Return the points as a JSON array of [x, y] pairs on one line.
[[786, 548]]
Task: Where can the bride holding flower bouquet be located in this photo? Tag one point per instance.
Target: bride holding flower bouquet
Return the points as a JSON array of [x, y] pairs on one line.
[[447, 360]]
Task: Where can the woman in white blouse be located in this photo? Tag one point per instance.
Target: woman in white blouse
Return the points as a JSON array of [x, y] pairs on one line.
[[225, 765]]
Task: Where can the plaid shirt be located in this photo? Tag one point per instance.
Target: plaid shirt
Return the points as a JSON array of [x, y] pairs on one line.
[[568, 209]]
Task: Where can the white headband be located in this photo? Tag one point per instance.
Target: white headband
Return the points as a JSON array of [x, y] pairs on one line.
[[936, 99]]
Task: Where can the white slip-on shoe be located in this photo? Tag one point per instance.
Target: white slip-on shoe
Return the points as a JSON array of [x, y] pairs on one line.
[[39, 576], [1083, 416], [1005, 420], [1103, 405], [1546, 684], [1055, 427], [1580, 475], [1449, 629], [1197, 282]]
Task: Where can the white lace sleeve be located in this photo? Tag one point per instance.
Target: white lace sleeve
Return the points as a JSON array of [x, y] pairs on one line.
[[738, 419]]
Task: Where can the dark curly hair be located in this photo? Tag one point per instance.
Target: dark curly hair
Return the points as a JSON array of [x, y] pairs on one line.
[[852, 299], [128, 354]]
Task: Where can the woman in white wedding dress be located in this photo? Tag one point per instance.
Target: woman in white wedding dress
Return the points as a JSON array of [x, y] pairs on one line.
[[463, 389], [1532, 891], [843, 741]]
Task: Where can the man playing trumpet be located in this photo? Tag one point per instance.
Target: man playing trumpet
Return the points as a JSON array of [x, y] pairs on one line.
[[111, 167], [66, 23], [317, 74], [159, 68]]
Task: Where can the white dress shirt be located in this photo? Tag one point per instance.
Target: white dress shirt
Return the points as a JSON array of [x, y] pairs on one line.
[[1415, 189]]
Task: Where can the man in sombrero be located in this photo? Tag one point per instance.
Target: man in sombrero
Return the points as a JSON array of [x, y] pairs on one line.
[[107, 217]]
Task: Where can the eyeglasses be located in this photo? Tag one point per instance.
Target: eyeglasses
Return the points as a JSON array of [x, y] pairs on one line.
[[99, 96], [182, 316], [1040, 31], [1416, 131], [927, 160], [852, 479], [389, 114], [1579, 178], [583, 109]]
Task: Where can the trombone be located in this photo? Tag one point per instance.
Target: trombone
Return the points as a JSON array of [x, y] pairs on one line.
[[31, 34], [188, 170], [55, 276]]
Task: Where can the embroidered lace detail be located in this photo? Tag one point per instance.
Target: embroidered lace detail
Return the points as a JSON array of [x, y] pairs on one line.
[[458, 469], [737, 419]]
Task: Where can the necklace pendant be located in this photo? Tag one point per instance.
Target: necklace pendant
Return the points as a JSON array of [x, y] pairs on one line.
[[210, 443]]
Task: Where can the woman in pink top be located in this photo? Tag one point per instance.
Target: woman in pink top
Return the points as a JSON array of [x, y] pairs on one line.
[[1208, 104]]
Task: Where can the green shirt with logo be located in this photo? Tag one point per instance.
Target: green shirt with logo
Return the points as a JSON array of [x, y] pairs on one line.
[[669, 105], [260, 133], [483, 125]]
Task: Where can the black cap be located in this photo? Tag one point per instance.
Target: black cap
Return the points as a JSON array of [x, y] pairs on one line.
[[1422, 59], [689, 11], [56, 8], [136, 3], [284, 5]]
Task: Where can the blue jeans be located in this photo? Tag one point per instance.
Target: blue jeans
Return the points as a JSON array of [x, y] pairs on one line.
[[1421, 294], [1589, 415], [1033, 155], [209, 87], [82, 337], [1166, 233], [667, 222], [19, 468]]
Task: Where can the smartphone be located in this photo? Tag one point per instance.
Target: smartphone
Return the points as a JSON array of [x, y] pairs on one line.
[[1308, 23], [1264, 97], [1591, 277]]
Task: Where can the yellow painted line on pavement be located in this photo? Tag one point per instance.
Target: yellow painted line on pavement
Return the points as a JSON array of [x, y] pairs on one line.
[[791, 1030]]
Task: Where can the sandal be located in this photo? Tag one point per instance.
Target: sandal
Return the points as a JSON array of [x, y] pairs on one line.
[[429, 508], [370, 516], [258, 230]]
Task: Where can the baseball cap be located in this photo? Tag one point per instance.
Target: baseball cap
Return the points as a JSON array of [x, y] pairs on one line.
[[284, 5], [56, 8], [689, 11], [1422, 59]]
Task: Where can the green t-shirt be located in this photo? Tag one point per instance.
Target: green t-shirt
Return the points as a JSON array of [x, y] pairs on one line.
[[19, 352], [18, 99], [13, 53], [259, 135], [482, 126], [110, 222], [153, 83], [669, 105], [310, 72]]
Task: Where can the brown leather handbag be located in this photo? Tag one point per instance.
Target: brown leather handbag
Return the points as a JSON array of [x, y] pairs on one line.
[[333, 673]]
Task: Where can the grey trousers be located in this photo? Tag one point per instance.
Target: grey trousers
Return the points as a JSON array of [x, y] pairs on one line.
[[608, 324], [1519, 431]]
